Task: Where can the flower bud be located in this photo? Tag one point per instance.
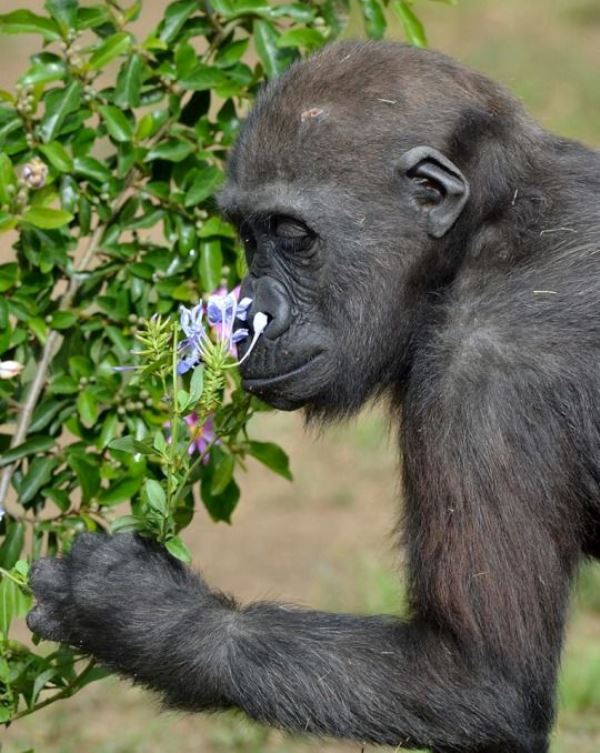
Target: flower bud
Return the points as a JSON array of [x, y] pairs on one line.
[[35, 173], [10, 369]]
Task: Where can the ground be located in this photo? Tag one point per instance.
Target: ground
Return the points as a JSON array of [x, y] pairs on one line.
[[326, 540]]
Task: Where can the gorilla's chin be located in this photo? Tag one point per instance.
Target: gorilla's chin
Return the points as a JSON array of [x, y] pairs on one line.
[[291, 389]]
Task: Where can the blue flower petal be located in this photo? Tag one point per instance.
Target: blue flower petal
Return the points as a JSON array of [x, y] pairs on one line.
[[239, 335]]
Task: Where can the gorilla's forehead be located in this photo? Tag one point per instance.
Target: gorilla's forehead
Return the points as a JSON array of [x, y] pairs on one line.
[[274, 197]]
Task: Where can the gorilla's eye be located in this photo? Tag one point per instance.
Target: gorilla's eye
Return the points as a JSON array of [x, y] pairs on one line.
[[288, 227]]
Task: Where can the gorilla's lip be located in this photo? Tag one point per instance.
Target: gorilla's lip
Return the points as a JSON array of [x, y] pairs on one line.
[[257, 383]]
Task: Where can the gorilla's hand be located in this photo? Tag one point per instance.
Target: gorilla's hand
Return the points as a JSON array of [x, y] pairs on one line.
[[130, 604]]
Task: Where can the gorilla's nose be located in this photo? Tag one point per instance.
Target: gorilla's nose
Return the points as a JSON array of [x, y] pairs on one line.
[[270, 297]]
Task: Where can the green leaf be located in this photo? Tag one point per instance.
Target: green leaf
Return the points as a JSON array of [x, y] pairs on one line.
[[63, 384], [12, 546], [156, 496], [44, 413], [413, 28], [60, 497], [126, 524], [62, 319], [185, 58], [14, 602], [40, 443], [92, 169], [38, 475], [47, 218], [120, 491], [131, 445], [374, 18], [272, 456], [216, 226], [51, 69], [235, 8], [171, 150], [57, 156], [183, 400], [39, 328], [223, 473], [87, 473], [203, 78], [26, 22], [232, 53], [8, 179], [210, 264], [274, 60], [296, 11], [117, 124], [178, 549], [87, 407], [311, 39], [59, 103], [115, 45], [89, 18], [196, 384], [129, 82], [175, 16], [110, 427], [64, 12], [206, 182], [221, 506], [187, 238], [149, 125]]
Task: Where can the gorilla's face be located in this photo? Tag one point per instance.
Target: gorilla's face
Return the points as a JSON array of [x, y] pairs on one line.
[[341, 247], [331, 335]]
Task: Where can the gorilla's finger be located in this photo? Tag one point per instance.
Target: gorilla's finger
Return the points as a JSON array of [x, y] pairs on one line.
[[45, 623], [48, 579], [85, 545]]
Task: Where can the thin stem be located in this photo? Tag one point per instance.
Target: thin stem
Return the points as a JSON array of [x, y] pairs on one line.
[[173, 450], [193, 466], [5, 574]]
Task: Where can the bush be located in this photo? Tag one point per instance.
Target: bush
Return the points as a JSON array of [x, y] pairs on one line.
[[110, 152]]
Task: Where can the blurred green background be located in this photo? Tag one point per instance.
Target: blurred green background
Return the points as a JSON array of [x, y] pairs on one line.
[[326, 539]]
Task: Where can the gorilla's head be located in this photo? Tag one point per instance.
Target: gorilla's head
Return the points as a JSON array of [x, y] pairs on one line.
[[347, 193]]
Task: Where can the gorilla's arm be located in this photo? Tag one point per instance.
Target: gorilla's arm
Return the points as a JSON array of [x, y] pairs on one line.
[[472, 669], [376, 679]]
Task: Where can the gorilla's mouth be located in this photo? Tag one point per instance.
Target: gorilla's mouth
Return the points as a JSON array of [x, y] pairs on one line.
[[288, 390]]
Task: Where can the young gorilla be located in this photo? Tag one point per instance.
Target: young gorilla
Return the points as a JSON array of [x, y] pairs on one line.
[[410, 231]]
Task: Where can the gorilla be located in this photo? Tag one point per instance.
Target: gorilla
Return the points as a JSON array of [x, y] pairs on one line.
[[412, 234]]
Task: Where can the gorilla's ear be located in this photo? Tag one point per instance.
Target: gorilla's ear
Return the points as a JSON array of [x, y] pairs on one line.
[[440, 187]]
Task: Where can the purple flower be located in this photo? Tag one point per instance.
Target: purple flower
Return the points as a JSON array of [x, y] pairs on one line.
[[201, 434], [222, 310]]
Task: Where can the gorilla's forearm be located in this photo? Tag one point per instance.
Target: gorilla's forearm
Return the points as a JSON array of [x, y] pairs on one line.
[[127, 602], [374, 679]]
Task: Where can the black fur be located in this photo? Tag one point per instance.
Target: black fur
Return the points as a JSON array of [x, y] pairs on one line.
[[489, 341]]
